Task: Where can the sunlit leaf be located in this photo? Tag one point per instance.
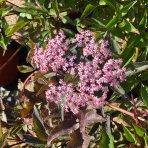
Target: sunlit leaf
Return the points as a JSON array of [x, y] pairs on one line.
[[126, 8], [129, 136], [136, 67], [139, 130], [25, 69], [88, 9]]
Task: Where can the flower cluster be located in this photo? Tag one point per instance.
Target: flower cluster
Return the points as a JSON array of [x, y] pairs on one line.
[[90, 74]]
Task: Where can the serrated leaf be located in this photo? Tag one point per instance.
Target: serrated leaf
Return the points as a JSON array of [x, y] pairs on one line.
[[129, 136], [25, 69], [144, 94], [39, 126], [88, 9], [139, 130]]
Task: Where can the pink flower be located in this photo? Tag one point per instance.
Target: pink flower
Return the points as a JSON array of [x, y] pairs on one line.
[[92, 74]]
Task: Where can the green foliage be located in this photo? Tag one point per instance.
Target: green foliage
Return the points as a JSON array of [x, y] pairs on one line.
[[124, 23]]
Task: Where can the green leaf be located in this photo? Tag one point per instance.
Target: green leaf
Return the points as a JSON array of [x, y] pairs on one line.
[[139, 130], [97, 22], [39, 126], [55, 7], [127, 86], [112, 22], [129, 136], [88, 9], [25, 69], [69, 3], [144, 94], [136, 67], [107, 140], [68, 77], [19, 25], [143, 22], [146, 140], [143, 55], [4, 41], [4, 11], [110, 3], [68, 32], [126, 25], [126, 8]]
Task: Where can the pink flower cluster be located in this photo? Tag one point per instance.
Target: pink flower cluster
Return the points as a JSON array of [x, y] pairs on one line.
[[91, 74]]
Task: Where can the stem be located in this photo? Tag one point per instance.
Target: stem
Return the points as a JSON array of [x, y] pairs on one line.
[[14, 54], [27, 79], [135, 109], [113, 106], [12, 4]]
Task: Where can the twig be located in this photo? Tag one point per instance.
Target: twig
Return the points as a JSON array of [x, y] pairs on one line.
[[12, 4], [27, 79], [14, 54], [112, 105]]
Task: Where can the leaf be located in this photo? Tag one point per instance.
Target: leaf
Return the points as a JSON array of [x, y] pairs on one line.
[[143, 22], [3, 116], [4, 41], [129, 51], [126, 25], [65, 127], [144, 94], [86, 117], [88, 9], [55, 7], [136, 67], [76, 140], [3, 139], [4, 11], [32, 140], [106, 140], [19, 25], [39, 126], [112, 3], [129, 136], [126, 8], [112, 22], [146, 139], [139, 130], [16, 129], [25, 69], [127, 86]]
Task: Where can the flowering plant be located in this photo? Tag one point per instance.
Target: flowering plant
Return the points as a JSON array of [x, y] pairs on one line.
[[85, 69]]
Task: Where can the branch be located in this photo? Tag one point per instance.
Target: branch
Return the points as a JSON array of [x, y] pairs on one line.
[[113, 106], [14, 54]]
